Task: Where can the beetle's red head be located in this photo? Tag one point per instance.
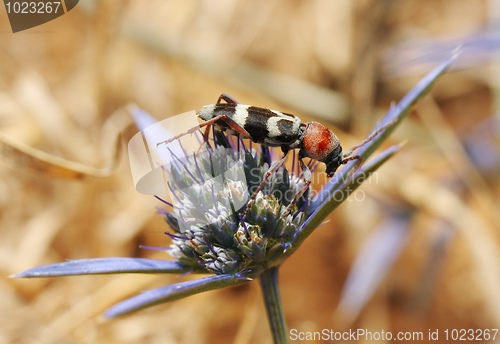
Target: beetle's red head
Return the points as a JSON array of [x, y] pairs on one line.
[[320, 143]]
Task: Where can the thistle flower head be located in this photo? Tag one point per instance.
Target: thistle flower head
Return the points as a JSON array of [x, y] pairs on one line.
[[212, 190]]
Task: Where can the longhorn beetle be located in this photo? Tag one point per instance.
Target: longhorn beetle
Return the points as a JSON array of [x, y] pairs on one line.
[[277, 129]]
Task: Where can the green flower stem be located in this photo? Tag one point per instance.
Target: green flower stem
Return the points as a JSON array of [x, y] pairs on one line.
[[270, 289]]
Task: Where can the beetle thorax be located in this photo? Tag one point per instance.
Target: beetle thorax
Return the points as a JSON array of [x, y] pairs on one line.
[[318, 142]]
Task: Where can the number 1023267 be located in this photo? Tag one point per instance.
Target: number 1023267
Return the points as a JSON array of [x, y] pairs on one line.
[[466, 335], [33, 7]]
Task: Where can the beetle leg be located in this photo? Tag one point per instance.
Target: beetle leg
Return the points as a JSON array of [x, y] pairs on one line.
[[192, 130], [272, 169], [232, 124], [227, 98], [307, 178], [358, 163], [236, 127]]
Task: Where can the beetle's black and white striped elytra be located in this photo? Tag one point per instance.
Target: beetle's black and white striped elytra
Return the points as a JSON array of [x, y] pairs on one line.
[[277, 129], [264, 126]]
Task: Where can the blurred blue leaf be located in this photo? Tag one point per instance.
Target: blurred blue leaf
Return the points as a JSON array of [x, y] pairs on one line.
[[174, 292], [415, 56], [372, 263], [106, 266]]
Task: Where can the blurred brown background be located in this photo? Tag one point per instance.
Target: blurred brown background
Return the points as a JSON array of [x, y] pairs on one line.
[[342, 63]]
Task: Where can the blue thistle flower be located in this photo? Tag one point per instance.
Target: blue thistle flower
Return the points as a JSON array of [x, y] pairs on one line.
[[209, 231]]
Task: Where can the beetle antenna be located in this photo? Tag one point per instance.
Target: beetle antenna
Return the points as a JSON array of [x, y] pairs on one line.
[[369, 138]]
